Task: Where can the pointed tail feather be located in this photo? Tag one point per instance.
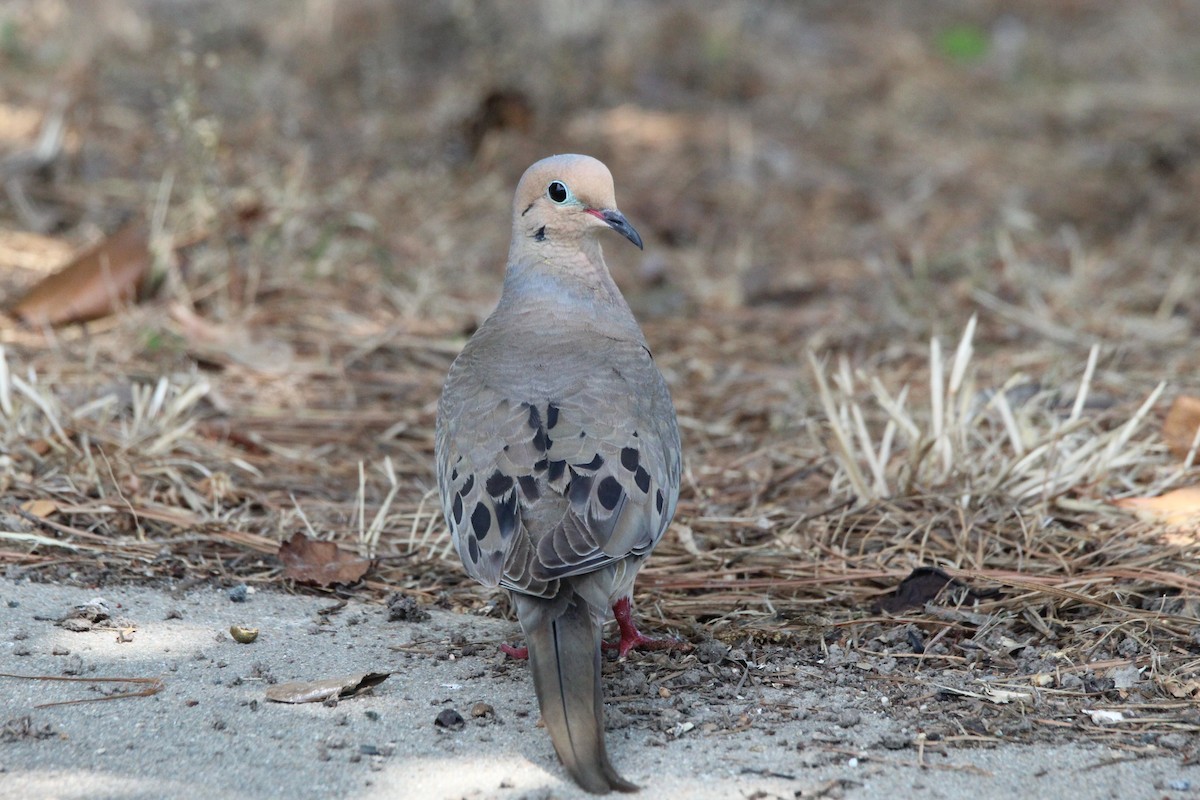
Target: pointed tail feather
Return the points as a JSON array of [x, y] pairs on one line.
[[564, 654]]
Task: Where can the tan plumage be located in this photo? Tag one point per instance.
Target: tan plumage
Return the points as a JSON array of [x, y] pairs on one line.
[[558, 453]]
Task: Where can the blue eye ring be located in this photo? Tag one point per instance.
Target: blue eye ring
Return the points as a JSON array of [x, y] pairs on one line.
[[558, 192]]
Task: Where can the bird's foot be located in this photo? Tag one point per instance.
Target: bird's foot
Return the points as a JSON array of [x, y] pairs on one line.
[[521, 653], [633, 639]]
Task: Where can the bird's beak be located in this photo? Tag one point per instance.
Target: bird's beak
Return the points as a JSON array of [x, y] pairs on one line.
[[616, 220]]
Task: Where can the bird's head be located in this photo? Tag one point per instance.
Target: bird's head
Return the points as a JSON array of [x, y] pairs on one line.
[[565, 198]]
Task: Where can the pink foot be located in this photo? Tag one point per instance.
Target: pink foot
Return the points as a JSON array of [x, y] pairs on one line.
[[509, 650], [632, 638]]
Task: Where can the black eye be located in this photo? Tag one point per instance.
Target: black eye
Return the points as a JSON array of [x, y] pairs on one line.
[[557, 191]]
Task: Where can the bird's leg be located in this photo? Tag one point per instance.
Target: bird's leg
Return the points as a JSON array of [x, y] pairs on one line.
[[512, 651], [632, 638]]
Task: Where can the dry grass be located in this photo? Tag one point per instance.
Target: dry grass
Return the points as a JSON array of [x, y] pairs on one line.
[[285, 376]]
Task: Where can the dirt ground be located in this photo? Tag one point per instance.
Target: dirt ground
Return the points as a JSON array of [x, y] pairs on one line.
[[922, 278], [681, 726]]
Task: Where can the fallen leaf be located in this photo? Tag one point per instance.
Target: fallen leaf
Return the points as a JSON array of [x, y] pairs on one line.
[[94, 284], [225, 344], [317, 691], [1178, 507], [1182, 424], [923, 585], [40, 508], [310, 561]]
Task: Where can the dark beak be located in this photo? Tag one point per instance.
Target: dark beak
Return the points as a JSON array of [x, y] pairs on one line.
[[616, 220]]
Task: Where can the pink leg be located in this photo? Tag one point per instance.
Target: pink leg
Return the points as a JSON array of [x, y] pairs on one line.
[[632, 638]]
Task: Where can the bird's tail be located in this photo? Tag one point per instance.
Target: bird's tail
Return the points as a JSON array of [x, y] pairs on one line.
[[564, 654]]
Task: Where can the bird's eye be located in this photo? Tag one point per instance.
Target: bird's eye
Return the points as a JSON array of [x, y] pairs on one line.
[[557, 191]]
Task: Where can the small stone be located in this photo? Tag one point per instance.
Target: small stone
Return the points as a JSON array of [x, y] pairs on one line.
[[238, 593], [482, 710], [450, 719], [849, 718], [711, 652], [894, 741], [405, 609]]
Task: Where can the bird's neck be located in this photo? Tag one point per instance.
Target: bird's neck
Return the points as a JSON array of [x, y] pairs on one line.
[[571, 276]]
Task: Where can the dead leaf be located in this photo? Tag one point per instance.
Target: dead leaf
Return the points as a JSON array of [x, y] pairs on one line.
[[1181, 425], [316, 691], [924, 585], [310, 561], [43, 509], [1178, 507], [225, 344], [94, 284]]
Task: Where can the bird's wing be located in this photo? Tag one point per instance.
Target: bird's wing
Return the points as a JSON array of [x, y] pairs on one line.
[[543, 484]]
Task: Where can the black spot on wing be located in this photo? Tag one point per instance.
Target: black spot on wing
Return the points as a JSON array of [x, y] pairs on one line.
[[468, 486], [551, 416], [498, 484], [454, 474], [581, 487], [473, 550], [642, 479], [506, 515], [556, 470], [541, 441], [629, 458], [535, 419], [529, 487], [659, 500], [609, 493], [539, 465], [595, 464], [457, 509], [481, 520]]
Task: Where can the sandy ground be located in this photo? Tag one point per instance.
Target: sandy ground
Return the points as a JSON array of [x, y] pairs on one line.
[[211, 733]]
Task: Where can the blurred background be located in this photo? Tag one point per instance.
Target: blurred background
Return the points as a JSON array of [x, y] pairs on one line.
[[321, 193]]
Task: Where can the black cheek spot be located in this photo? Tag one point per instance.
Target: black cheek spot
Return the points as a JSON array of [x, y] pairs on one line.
[[457, 509], [609, 493], [642, 479], [481, 520], [468, 486], [498, 484], [529, 487], [629, 458], [581, 487], [556, 470], [473, 550], [658, 500], [551, 415], [595, 464], [540, 234]]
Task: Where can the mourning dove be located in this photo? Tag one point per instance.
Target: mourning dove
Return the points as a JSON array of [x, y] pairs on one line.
[[558, 453]]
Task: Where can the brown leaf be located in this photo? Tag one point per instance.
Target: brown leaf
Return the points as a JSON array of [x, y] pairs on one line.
[[40, 508], [316, 691], [231, 344], [1181, 425], [93, 285], [310, 561], [1174, 508]]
